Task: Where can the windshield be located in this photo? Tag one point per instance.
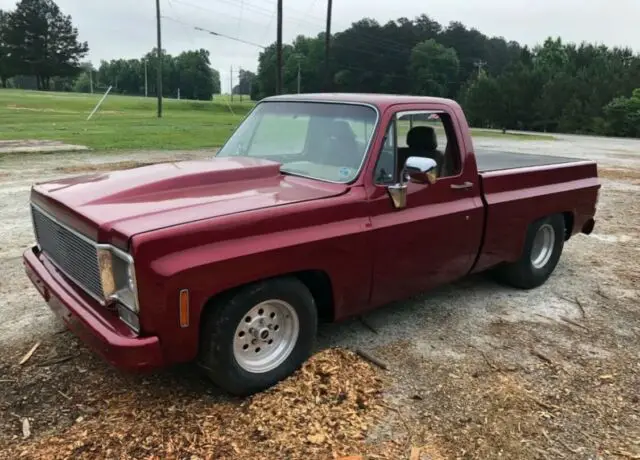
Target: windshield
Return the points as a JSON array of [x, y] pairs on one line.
[[325, 141]]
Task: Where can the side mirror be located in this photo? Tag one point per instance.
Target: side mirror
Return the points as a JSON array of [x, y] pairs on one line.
[[418, 170], [421, 170]]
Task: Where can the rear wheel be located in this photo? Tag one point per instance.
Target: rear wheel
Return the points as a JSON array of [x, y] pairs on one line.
[[258, 336], [542, 249]]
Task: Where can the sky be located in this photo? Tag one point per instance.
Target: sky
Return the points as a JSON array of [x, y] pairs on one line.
[[127, 28]]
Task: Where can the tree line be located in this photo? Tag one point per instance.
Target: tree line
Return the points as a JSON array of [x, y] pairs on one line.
[[188, 75], [40, 49], [553, 87]]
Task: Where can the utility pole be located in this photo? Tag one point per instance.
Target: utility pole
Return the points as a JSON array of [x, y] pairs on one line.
[[279, 50], [231, 83], [480, 65], [327, 45], [159, 84], [299, 76], [91, 80], [146, 80]]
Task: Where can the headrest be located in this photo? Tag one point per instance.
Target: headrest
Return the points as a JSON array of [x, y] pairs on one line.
[[422, 137], [341, 129]]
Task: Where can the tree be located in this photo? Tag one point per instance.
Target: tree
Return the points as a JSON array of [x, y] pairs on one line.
[[553, 86], [217, 85], [267, 74], [483, 101], [43, 42], [195, 75], [190, 73], [5, 64], [623, 115], [83, 84], [374, 57], [246, 81], [434, 68]]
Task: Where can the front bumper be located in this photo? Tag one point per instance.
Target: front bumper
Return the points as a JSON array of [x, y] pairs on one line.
[[96, 326]]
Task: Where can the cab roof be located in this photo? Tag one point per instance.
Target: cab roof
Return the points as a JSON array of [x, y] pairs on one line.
[[381, 101]]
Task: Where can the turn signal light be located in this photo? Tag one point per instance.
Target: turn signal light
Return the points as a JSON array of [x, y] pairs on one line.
[[184, 308]]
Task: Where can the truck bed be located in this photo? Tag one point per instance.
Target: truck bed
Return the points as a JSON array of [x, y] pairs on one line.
[[495, 160]]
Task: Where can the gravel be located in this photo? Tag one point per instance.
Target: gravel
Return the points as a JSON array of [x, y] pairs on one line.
[[476, 370]]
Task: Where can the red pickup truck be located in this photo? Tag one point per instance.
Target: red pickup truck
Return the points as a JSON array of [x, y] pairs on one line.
[[319, 206]]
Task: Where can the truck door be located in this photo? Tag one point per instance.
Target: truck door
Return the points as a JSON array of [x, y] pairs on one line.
[[435, 238]]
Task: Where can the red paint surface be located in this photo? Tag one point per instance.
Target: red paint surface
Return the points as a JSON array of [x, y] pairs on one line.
[[209, 226], [98, 328]]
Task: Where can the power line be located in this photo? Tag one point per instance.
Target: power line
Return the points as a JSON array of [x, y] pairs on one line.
[[184, 25], [252, 7], [247, 6], [268, 28], [241, 14], [389, 44], [366, 51], [310, 8], [217, 34], [214, 33], [340, 46], [318, 21], [218, 12]]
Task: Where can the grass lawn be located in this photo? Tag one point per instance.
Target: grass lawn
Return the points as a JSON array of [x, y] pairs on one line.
[[515, 136], [125, 122], [122, 122]]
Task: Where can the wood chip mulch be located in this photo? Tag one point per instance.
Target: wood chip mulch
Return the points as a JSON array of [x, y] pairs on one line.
[[323, 411]]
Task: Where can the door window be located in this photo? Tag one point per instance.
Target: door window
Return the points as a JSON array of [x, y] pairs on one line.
[[427, 134]]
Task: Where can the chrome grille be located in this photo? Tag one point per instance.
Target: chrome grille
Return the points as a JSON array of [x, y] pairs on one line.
[[75, 255]]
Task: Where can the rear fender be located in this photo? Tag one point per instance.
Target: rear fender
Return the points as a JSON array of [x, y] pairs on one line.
[[516, 198]]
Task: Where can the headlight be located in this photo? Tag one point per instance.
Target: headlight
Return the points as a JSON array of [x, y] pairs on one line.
[[118, 277]]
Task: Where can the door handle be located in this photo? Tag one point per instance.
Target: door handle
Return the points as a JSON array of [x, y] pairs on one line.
[[465, 186]]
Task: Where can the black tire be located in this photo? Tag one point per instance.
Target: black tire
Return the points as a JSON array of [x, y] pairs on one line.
[[523, 274], [218, 332]]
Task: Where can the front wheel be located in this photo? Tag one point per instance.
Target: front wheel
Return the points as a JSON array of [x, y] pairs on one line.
[[258, 336], [542, 249]]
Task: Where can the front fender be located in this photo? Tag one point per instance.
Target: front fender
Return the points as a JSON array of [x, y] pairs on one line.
[[210, 258]]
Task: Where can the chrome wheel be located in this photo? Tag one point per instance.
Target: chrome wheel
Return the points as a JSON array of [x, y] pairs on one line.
[[266, 336], [542, 247]]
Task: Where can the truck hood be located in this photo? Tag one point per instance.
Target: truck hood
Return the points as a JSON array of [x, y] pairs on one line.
[[117, 205]]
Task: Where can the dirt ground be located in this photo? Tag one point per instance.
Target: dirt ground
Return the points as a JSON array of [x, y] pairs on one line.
[[475, 370], [30, 146]]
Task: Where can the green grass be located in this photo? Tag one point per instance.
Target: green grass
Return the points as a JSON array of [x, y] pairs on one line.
[[403, 129], [125, 122], [122, 122], [477, 132]]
